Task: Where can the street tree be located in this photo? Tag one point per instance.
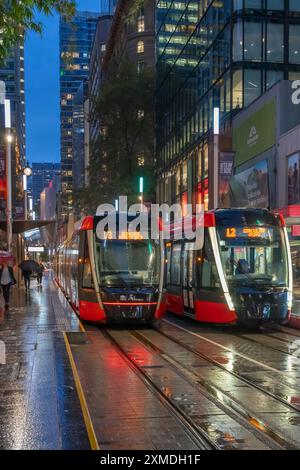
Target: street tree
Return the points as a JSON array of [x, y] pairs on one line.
[[124, 149], [18, 17]]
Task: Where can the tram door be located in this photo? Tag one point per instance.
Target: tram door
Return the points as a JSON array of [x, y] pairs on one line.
[[188, 263]]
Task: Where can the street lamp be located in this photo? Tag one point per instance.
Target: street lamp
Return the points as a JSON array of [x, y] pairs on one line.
[[9, 139], [27, 171]]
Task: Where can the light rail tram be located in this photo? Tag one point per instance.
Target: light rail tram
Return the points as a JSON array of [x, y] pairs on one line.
[[243, 273], [112, 278]]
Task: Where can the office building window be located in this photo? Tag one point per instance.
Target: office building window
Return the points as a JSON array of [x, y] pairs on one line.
[[253, 41], [294, 5], [141, 24], [252, 86], [275, 4], [273, 76], [140, 47], [237, 5], [275, 43], [294, 44], [237, 89], [253, 4], [237, 47]]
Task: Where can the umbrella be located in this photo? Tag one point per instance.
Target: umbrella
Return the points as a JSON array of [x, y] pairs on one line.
[[7, 257], [28, 265]]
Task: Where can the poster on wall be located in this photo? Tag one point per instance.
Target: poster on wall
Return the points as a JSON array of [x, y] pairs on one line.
[[250, 187], [226, 160], [293, 179]]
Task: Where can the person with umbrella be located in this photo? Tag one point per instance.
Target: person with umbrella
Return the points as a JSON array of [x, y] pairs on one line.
[[7, 278], [27, 267]]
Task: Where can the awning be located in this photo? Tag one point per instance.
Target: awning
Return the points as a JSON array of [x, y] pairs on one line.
[[20, 226]]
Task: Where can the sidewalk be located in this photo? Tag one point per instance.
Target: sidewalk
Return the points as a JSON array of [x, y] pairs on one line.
[[39, 405]]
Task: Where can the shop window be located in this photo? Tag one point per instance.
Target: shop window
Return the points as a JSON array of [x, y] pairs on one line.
[[294, 44], [252, 85], [237, 89], [184, 175], [275, 43], [253, 41]]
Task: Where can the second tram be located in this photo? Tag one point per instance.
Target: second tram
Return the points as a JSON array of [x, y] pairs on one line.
[[112, 280], [243, 273]]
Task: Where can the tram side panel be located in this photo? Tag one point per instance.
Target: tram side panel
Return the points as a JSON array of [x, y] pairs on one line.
[[193, 285]]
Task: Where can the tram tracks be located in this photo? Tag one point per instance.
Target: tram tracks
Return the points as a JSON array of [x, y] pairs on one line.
[[244, 420], [280, 397], [201, 439]]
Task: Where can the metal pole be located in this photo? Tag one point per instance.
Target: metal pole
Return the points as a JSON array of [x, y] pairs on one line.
[[8, 190]]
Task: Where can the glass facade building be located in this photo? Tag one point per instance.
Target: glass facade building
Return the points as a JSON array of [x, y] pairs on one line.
[[75, 42], [214, 54]]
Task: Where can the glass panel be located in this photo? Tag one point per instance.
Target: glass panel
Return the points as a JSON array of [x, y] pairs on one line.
[[254, 256], [237, 46], [294, 5], [294, 75], [252, 86], [253, 41], [253, 3], [275, 4], [175, 265], [237, 5], [209, 276], [275, 43], [237, 90], [273, 76], [294, 44], [128, 262]]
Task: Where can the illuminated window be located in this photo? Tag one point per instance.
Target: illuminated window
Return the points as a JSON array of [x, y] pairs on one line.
[[141, 24], [140, 114], [141, 159], [140, 47]]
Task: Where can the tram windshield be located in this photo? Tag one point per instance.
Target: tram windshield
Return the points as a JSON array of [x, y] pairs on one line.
[[128, 262], [254, 255]]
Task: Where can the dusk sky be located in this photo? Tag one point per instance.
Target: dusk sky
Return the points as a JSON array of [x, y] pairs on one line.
[[42, 89]]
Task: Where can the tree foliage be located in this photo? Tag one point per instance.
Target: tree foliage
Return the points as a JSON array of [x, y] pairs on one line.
[[124, 150], [17, 17]]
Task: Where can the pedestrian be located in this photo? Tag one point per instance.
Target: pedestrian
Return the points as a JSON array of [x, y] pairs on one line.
[[40, 272], [26, 276], [7, 279]]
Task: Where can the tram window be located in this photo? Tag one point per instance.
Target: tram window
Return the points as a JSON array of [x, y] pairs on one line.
[[175, 265], [208, 268], [87, 278]]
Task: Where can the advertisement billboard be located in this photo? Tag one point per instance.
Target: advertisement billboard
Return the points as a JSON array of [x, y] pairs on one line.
[[226, 160], [256, 134], [293, 178], [250, 187]]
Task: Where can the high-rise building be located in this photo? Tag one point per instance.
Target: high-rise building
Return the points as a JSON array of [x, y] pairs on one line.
[[78, 136], [96, 73], [213, 54], [42, 175], [12, 74], [75, 42]]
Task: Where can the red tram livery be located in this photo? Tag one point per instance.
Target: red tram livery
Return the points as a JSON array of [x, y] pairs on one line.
[[112, 280], [243, 273]]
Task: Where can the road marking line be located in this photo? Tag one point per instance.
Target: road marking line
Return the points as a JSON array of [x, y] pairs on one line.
[[85, 411], [227, 349]]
